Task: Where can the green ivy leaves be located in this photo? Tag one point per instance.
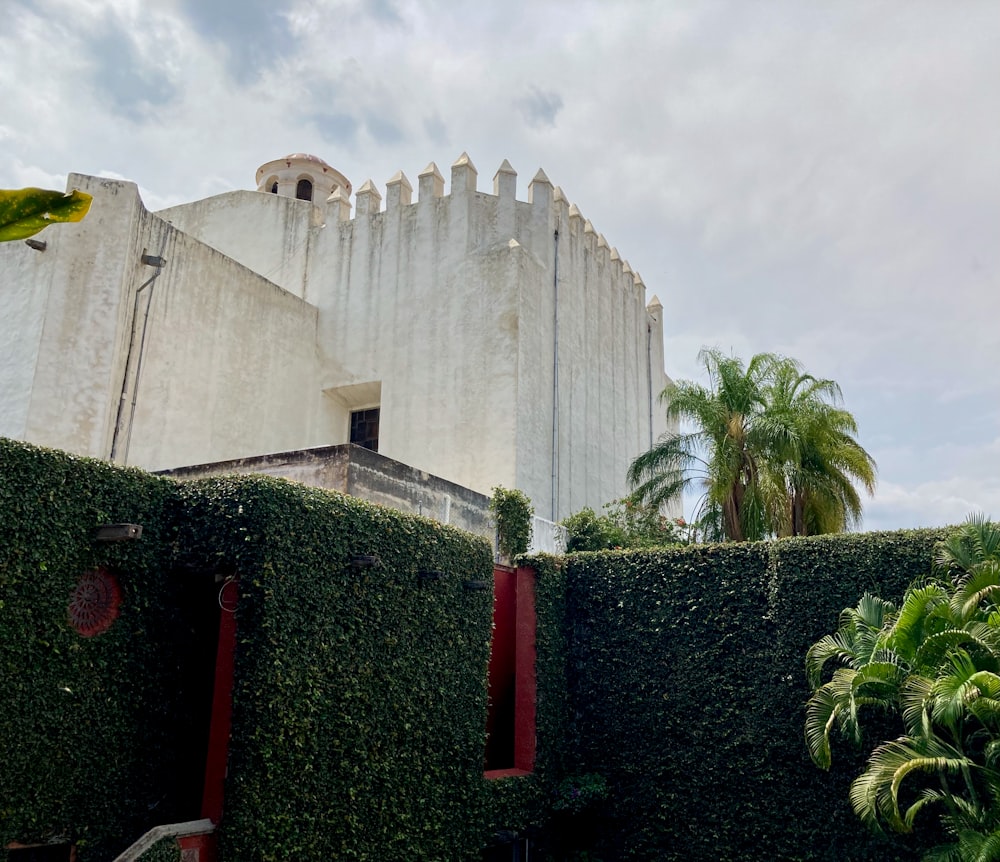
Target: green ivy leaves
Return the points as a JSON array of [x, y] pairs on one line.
[[687, 694], [512, 511]]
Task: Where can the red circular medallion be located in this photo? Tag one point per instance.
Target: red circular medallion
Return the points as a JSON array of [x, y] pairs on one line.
[[93, 606]]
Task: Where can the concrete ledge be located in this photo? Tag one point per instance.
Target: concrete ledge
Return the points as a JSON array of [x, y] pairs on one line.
[[361, 473]]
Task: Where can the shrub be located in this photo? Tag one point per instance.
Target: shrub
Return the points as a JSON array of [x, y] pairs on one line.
[[625, 524], [512, 511]]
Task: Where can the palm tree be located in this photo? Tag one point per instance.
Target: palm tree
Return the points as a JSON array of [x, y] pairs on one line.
[[817, 460], [771, 449], [866, 679], [724, 451]]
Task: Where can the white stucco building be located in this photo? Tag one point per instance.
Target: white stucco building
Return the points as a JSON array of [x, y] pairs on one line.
[[478, 337]]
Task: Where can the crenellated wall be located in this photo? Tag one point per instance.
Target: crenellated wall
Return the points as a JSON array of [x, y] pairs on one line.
[[451, 302]]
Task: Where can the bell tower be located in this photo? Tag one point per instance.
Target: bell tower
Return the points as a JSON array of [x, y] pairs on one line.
[[301, 176]]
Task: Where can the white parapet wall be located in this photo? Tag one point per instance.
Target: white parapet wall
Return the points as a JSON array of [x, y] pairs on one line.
[[547, 537]]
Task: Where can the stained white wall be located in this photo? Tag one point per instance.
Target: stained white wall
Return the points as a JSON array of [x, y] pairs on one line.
[[604, 368], [25, 276], [229, 365], [85, 272], [449, 302], [269, 234], [417, 297]]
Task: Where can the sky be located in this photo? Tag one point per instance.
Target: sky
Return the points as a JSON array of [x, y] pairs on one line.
[[820, 180]]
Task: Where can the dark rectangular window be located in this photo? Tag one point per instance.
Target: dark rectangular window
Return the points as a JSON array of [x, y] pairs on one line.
[[364, 428]]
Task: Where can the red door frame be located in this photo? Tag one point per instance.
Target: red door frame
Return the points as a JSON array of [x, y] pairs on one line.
[[222, 705], [525, 691]]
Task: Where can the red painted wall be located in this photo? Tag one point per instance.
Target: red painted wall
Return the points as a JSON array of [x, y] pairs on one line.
[[526, 694], [510, 723], [199, 848], [222, 707], [501, 676]]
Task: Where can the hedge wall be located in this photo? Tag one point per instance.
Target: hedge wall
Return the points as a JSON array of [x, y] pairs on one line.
[[164, 850], [360, 697], [89, 738], [359, 704], [359, 701], [687, 680]]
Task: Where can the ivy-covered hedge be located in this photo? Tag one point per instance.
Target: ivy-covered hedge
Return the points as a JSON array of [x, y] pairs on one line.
[[164, 850], [360, 694], [688, 690], [360, 691], [88, 734], [359, 702]]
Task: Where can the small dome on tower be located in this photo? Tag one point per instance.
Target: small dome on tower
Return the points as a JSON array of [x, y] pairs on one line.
[[307, 157], [302, 176]]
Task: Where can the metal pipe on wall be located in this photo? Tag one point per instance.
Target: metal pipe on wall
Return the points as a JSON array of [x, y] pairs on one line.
[[555, 378]]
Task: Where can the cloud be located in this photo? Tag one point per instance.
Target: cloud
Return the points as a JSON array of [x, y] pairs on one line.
[[931, 504], [23, 176], [385, 11], [132, 79], [339, 127], [255, 34], [435, 129], [539, 108], [383, 129]]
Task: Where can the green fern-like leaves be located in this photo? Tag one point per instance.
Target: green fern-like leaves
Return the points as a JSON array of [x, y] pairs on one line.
[[936, 663]]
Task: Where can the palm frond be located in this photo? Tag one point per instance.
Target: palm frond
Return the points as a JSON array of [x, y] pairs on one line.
[[837, 647], [778, 452], [943, 853], [875, 793], [978, 539], [911, 626], [934, 648], [981, 584], [821, 717], [974, 846], [954, 691], [914, 699]]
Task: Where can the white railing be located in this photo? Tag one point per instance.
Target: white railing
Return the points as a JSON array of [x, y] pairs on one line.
[[168, 830]]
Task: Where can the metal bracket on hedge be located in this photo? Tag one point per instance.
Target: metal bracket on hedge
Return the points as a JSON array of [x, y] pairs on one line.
[[118, 532]]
